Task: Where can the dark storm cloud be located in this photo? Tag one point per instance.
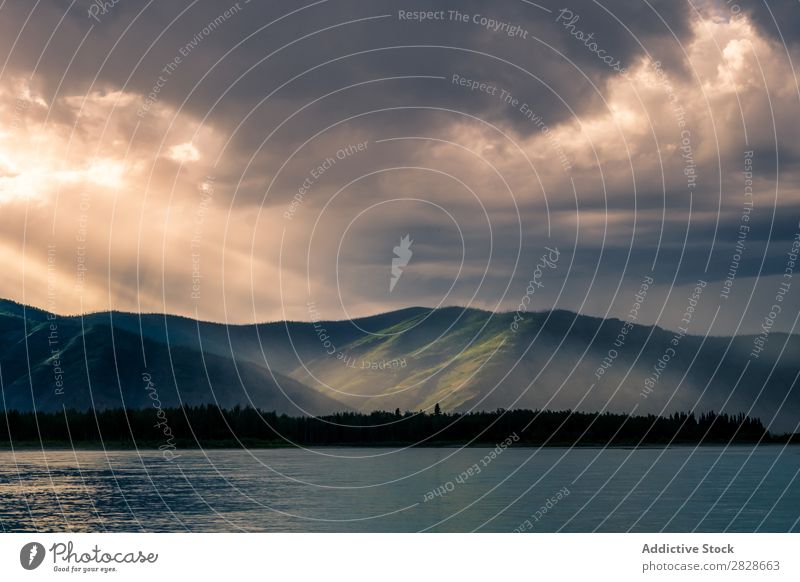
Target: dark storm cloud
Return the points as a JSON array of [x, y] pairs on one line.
[[155, 33], [229, 65], [255, 84], [780, 19]]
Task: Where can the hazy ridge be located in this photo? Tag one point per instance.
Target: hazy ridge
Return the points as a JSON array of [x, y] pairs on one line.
[[409, 359]]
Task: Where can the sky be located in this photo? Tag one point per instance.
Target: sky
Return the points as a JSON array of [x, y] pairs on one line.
[[258, 161]]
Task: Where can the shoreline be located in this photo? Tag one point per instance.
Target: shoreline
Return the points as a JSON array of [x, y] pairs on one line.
[[28, 446]]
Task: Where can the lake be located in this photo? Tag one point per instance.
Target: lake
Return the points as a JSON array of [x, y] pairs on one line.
[[710, 489]]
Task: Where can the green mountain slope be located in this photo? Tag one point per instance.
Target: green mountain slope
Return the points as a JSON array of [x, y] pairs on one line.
[[464, 359], [474, 360]]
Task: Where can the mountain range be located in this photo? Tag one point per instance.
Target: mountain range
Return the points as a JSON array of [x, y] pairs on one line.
[[463, 359]]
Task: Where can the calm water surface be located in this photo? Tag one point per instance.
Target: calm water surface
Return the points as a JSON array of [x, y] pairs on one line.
[[350, 489]]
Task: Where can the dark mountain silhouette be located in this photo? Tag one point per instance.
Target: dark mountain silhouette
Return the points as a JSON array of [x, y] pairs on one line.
[[464, 359], [47, 364]]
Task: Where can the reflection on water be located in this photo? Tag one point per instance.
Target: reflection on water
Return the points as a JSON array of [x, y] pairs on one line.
[[341, 489]]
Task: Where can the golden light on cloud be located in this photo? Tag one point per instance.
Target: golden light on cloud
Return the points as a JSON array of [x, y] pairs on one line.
[[81, 168], [314, 214], [95, 151], [184, 153]]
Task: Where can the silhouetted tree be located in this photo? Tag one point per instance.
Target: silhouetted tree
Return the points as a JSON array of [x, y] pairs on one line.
[[210, 425]]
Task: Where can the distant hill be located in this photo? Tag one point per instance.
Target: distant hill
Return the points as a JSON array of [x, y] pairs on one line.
[[101, 363], [410, 359]]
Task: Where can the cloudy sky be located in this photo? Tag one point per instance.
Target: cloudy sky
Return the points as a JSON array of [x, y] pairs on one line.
[[237, 161]]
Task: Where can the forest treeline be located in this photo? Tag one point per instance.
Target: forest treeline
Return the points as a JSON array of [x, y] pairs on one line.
[[209, 425]]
